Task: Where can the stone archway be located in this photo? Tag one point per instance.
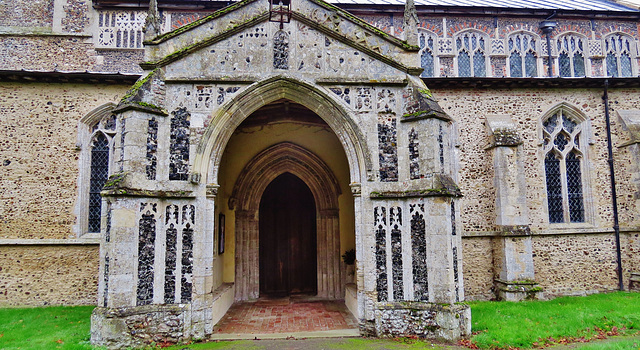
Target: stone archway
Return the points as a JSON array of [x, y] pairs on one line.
[[245, 199]]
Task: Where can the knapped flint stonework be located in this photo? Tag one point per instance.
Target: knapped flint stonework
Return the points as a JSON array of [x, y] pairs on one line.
[[395, 221], [380, 217], [387, 143], [152, 148], [146, 253], [179, 149], [171, 218], [419, 253]]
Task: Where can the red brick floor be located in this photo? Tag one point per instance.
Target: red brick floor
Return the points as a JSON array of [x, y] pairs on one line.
[[285, 315]]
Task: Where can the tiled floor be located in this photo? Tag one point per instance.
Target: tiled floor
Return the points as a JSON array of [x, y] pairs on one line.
[[285, 315]]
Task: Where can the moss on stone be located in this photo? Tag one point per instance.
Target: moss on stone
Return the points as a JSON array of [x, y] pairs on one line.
[[198, 22]]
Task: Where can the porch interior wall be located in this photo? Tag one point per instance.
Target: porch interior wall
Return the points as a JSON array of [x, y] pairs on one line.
[[248, 142]]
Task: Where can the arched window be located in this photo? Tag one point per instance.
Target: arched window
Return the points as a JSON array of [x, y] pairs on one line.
[[571, 61], [427, 43], [523, 55], [471, 54], [99, 174], [619, 54], [95, 137], [563, 150]]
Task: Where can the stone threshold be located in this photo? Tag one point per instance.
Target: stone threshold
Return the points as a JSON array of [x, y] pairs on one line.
[[338, 333]]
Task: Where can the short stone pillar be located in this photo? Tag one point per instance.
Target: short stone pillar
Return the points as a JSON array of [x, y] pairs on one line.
[[512, 246]]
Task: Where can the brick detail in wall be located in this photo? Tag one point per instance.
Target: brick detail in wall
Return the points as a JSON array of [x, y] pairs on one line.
[[419, 253], [146, 252], [179, 146]]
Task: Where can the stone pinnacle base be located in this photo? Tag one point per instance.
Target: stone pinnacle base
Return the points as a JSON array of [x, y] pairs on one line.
[[118, 328], [517, 290], [425, 320]]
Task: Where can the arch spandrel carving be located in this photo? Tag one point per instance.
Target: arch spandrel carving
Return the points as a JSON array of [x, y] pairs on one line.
[[226, 119]]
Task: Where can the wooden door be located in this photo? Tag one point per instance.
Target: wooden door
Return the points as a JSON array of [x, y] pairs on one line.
[[287, 238]]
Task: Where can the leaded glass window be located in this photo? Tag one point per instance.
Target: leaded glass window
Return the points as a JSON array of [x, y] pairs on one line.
[[618, 49], [97, 133], [427, 62], [471, 56], [523, 57], [563, 168], [571, 56], [99, 174]]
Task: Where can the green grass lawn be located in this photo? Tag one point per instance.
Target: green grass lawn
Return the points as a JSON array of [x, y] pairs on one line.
[[495, 324], [56, 327], [531, 323]]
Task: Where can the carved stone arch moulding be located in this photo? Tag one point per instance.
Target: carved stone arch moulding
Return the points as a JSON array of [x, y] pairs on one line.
[[227, 118], [245, 199]]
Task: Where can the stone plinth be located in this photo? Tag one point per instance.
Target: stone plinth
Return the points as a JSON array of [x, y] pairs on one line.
[[118, 328], [425, 320], [517, 290]]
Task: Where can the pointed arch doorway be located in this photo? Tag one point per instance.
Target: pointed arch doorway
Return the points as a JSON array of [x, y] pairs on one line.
[[287, 162], [287, 234]]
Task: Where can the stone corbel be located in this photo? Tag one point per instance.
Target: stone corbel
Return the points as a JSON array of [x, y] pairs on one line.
[[630, 120], [502, 131], [212, 190]]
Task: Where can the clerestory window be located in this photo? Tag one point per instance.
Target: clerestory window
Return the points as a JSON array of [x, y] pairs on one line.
[[571, 61], [523, 55], [427, 43], [563, 162], [619, 54], [471, 54]]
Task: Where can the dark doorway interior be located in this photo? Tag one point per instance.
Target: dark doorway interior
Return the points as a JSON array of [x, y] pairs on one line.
[[287, 238]]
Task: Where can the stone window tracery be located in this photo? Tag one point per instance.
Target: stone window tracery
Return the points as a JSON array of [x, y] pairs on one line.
[[95, 138], [563, 162], [571, 61], [100, 151], [523, 55], [619, 55], [427, 43], [471, 54]]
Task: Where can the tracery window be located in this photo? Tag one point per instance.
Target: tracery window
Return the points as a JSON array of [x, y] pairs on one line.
[[427, 54], [101, 150], [95, 135], [523, 58], [471, 54], [571, 62], [563, 160], [619, 49]]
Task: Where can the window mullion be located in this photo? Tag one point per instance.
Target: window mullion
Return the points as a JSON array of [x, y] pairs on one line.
[[565, 188]]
